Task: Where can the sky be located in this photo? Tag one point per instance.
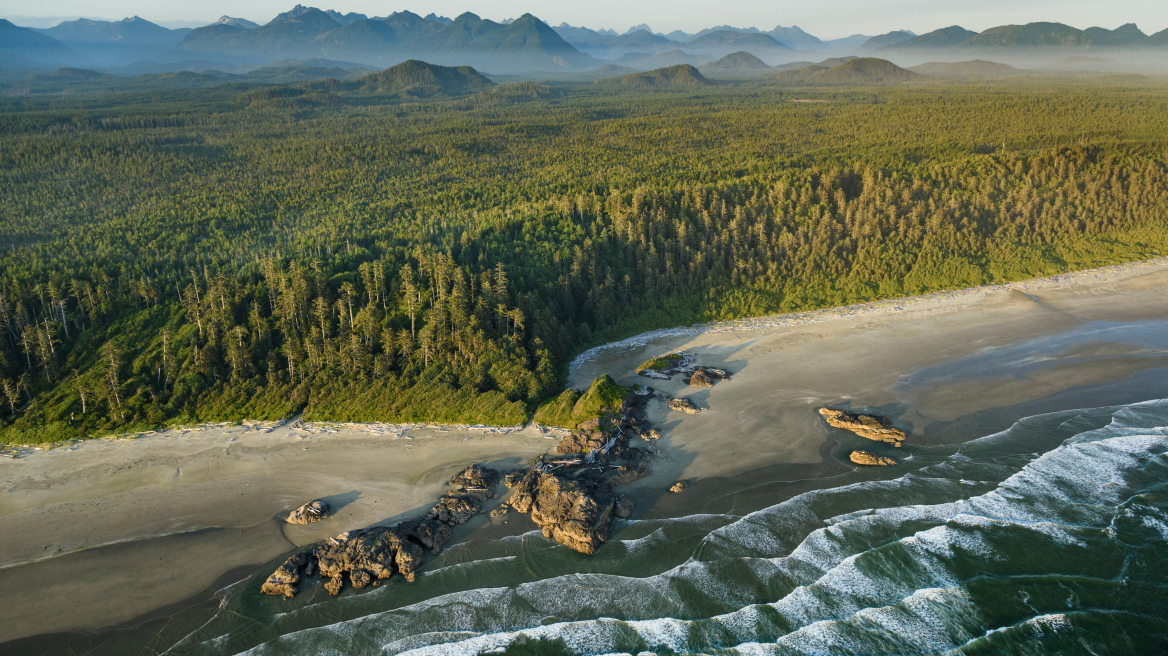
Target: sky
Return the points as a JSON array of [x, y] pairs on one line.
[[828, 20]]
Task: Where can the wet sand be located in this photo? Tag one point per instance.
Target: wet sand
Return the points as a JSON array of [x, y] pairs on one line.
[[153, 520], [157, 519]]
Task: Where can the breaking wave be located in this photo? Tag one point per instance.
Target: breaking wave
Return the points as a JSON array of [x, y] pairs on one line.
[[1049, 537]]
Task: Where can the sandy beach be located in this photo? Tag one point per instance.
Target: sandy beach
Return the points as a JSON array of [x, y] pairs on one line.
[[156, 519]]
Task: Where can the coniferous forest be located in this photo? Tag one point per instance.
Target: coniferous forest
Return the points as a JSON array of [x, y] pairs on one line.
[[172, 256]]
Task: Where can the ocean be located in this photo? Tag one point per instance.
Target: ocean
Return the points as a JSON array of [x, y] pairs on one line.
[[1050, 537]]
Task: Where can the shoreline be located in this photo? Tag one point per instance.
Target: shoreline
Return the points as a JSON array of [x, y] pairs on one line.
[[810, 317], [762, 322], [212, 497]]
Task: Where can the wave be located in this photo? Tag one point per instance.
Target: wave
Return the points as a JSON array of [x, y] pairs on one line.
[[1038, 533]]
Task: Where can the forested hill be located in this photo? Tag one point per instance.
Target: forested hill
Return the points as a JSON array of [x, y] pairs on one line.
[[188, 258]]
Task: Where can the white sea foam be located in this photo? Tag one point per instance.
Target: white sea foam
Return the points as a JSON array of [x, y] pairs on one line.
[[872, 571]]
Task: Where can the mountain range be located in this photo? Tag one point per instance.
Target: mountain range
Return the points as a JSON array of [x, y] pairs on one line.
[[511, 46]]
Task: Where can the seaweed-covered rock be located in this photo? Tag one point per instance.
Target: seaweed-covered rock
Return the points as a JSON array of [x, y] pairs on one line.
[[870, 459], [872, 427], [283, 581], [334, 585], [682, 404], [313, 511]]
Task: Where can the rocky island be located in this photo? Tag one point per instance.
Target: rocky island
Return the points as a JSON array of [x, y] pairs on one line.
[[871, 427]]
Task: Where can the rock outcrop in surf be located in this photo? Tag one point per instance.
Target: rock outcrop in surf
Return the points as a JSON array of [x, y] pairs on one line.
[[377, 552], [684, 405], [872, 427], [571, 496], [869, 459]]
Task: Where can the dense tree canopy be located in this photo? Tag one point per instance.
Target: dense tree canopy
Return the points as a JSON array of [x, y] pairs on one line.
[[183, 256]]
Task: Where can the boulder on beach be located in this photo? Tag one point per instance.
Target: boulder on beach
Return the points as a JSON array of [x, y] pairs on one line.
[[476, 476], [313, 511], [872, 427], [684, 405], [868, 458], [714, 372], [377, 552], [701, 379], [678, 487]]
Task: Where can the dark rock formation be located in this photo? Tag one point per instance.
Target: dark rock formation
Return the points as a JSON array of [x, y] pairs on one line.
[[453, 510], [872, 427], [870, 459], [715, 373], [283, 581], [701, 379], [378, 552], [313, 511], [476, 476], [684, 405], [623, 507], [571, 497], [512, 478], [575, 513], [583, 440], [433, 534]]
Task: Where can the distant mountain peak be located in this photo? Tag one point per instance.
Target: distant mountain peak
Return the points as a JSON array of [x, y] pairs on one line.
[[295, 12], [438, 19], [236, 22], [637, 28]]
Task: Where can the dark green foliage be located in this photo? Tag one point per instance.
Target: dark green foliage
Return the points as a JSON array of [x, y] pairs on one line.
[[661, 363], [682, 76], [177, 256], [508, 94]]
